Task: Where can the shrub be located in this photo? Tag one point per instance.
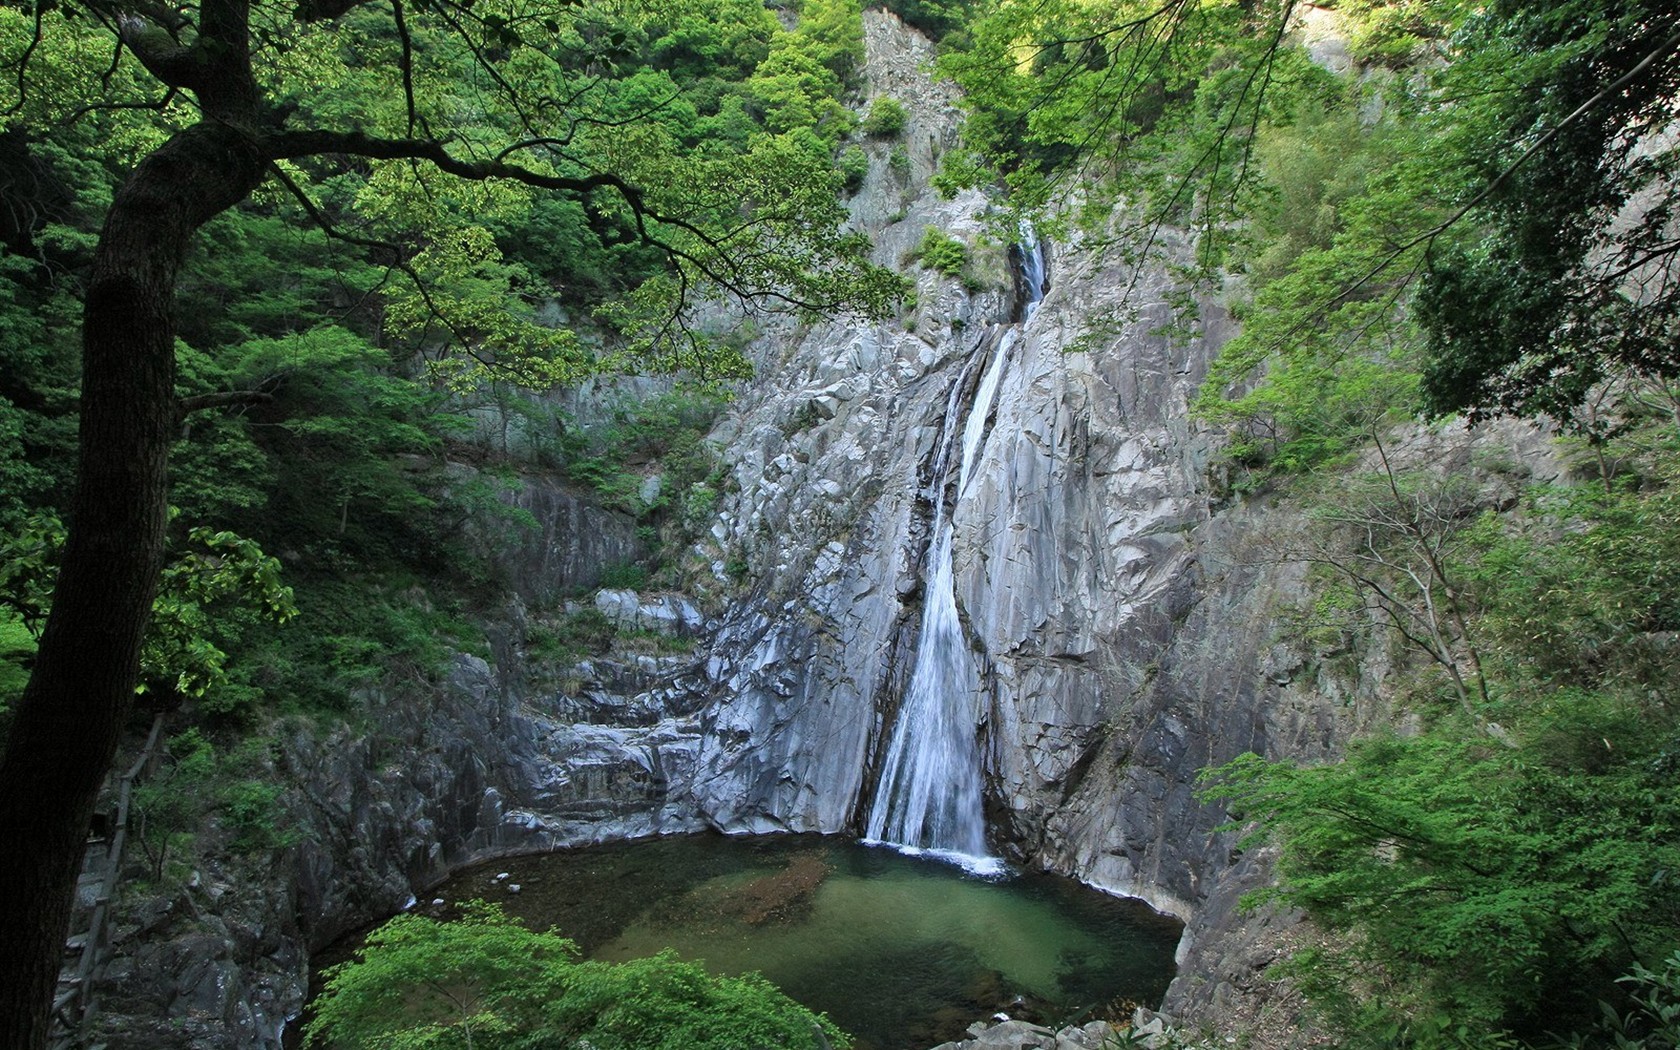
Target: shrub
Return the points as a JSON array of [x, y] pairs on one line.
[[571, 637], [487, 982], [624, 576], [854, 167], [941, 252], [886, 118], [253, 811]]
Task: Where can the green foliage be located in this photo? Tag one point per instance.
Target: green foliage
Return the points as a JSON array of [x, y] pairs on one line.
[[1493, 230], [705, 107], [1311, 377], [854, 167], [38, 380], [1153, 105], [795, 89], [1652, 1021], [1482, 886], [942, 253], [661, 436], [1587, 595], [487, 982], [699, 504], [209, 594], [17, 649], [363, 629], [958, 170], [663, 1003], [28, 562], [886, 117], [170, 805], [572, 637], [422, 983], [1189, 116], [216, 587], [939, 20], [1395, 32], [253, 813], [195, 785], [344, 452], [898, 162], [832, 31], [725, 40], [624, 575], [1561, 280]]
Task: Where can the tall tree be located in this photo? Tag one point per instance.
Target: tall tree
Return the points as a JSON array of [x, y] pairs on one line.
[[246, 92]]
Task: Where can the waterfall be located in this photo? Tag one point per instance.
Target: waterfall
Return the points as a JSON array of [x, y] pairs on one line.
[[1032, 272], [929, 795]]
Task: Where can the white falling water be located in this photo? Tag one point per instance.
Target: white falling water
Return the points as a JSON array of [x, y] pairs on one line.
[[929, 796], [1032, 272]]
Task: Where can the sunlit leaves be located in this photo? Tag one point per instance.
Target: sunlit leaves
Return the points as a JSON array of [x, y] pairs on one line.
[[1481, 888], [466, 299], [418, 982], [212, 588], [65, 69], [484, 981], [1504, 885], [217, 571]]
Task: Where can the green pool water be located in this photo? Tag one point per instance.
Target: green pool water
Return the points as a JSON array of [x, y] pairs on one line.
[[902, 952]]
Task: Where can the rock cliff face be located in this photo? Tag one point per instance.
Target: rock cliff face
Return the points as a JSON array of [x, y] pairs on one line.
[[1119, 625], [1122, 616]]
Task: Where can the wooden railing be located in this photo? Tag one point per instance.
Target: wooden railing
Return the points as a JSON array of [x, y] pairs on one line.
[[73, 1002]]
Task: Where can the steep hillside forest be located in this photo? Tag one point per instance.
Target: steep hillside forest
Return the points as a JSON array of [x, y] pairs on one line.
[[349, 275]]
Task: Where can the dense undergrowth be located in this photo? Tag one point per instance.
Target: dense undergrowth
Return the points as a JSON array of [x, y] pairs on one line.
[[493, 984], [1499, 869]]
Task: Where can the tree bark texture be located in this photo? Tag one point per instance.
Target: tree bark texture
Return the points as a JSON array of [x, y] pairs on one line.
[[80, 693]]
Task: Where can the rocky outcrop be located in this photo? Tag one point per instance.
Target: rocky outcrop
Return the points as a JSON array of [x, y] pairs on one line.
[[1126, 613], [488, 761], [1020, 1035], [551, 542], [828, 450]]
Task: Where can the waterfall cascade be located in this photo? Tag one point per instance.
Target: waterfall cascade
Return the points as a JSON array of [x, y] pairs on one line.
[[929, 795]]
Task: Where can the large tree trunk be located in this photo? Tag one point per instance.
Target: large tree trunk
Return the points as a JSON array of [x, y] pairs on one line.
[[78, 698]]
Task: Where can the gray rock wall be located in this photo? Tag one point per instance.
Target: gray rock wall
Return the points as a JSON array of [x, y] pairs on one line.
[[571, 541], [1127, 618]]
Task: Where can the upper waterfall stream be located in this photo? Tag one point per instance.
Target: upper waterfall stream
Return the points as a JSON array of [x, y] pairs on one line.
[[929, 798]]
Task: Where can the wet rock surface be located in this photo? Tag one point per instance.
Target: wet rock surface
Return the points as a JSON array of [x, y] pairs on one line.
[[1020, 1035]]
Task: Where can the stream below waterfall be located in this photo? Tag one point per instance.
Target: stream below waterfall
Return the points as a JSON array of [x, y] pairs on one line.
[[903, 953]]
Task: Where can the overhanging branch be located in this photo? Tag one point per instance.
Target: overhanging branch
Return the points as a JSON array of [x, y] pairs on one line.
[[186, 406]]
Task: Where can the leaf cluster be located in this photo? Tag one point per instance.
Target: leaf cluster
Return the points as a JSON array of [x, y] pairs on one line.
[[197, 784], [485, 981], [941, 253]]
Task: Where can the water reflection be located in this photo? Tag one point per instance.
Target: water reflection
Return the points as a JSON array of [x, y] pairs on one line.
[[904, 953]]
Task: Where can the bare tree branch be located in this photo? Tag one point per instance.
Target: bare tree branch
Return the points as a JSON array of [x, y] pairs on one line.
[[22, 69], [405, 62], [220, 399]]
